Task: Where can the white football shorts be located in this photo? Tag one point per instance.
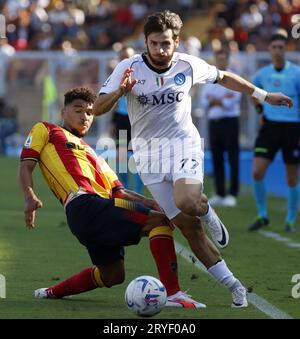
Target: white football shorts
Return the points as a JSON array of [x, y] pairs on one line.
[[168, 171]]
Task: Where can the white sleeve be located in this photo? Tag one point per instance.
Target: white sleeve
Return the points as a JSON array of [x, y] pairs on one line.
[[112, 83], [202, 71]]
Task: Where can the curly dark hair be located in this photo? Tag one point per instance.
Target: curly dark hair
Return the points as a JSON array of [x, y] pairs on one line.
[[83, 93], [161, 21]]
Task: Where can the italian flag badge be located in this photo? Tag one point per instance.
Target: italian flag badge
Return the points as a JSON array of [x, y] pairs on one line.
[[159, 81]]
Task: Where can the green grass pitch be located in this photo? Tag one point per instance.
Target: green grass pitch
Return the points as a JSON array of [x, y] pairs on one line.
[[42, 257]]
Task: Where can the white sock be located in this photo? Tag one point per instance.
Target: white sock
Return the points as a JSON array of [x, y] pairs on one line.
[[223, 275]]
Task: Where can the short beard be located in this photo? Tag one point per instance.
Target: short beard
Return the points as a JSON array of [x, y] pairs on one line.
[[159, 63], [74, 131]]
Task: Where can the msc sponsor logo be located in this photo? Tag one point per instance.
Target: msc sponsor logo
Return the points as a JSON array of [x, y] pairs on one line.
[[143, 99], [163, 99]]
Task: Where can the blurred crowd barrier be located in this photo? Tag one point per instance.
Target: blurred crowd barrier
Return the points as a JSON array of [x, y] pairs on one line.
[[32, 85]]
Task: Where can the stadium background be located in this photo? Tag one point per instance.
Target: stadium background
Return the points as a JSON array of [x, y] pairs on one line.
[[52, 45]]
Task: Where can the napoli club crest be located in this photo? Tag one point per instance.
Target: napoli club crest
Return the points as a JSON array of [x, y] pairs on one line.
[[179, 79]]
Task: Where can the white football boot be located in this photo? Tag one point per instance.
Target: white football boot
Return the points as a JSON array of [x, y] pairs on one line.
[[216, 228], [45, 293], [239, 297], [181, 299]]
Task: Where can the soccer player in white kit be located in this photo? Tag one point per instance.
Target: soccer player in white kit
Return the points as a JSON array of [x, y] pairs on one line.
[[167, 146]]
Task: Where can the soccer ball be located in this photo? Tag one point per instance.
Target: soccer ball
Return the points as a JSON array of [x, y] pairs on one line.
[[145, 296]]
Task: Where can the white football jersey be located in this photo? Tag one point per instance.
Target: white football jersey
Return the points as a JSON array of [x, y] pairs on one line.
[[159, 105]]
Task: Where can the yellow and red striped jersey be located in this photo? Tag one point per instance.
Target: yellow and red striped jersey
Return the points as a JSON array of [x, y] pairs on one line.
[[68, 163]]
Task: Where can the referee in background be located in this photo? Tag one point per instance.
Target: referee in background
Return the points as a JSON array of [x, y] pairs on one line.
[[280, 131]]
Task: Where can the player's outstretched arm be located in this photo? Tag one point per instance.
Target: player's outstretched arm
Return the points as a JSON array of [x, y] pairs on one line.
[[105, 102], [239, 84], [32, 203]]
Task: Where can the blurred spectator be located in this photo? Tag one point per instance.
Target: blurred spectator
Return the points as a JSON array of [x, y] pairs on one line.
[[223, 108], [5, 48], [45, 24], [8, 123], [39, 16], [120, 130], [138, 10], [191, 45], [253, 21]]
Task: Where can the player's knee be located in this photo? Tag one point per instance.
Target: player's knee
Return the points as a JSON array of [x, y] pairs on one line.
[[292, 180], [193, 206], [187, 205], [257, 174], [204, 199], [203, 206]]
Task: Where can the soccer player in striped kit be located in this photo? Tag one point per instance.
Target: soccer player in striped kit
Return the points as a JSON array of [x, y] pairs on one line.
[[102, 215]]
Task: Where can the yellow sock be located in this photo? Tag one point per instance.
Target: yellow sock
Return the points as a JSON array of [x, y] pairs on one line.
[[161, 231], [97, 277]]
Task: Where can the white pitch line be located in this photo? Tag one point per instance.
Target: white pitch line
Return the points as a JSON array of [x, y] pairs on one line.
[[293, 245], [267, 308], [287, 241], [257, 301]]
